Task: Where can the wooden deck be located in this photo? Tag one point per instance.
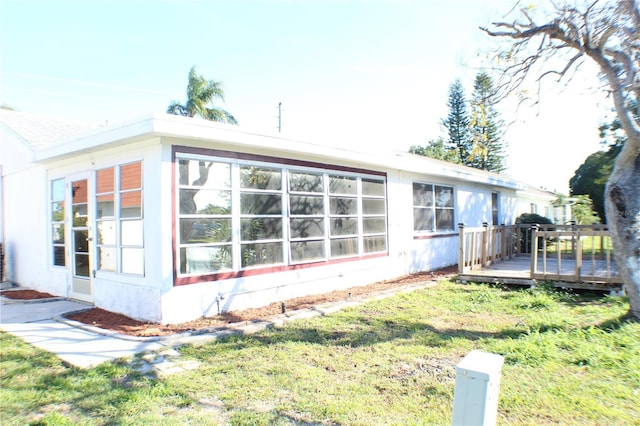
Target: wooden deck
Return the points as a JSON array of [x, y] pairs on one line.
[[491, 255], [517, 271]]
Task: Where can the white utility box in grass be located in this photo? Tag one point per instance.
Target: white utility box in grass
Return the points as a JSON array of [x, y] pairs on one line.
[[475, 397]]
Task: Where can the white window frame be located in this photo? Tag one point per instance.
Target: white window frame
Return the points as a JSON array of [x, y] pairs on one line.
[[286, 193], [434, 209], [118, 246]]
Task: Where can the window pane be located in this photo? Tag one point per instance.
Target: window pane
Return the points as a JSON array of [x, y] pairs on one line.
[[260, 178], [375, 244], [105, 206], [261, 229], [131, 204], [343, 226], [81, 241], [306, 205], [343, 206], [423, 219], [57, 235], [444, 220], [193, 231], [80, 215], [204, 201], [307, 250], [260, 203], [372, 187], [344, 247], [306, 228], [79, 192], [57, 190], [305, 182], [131, 233], [206, 174], [261, 254], [81, 265], [58, 256], [57, 212], [342, 185], [422, 195], [105, 180], [131, 176], [444, 196], [374, 225], [373, 206], [107, 259], [133, 261], [107, 232], [203, 260]]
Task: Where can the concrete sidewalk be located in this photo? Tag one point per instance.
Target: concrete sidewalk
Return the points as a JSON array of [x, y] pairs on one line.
[[36, 323]]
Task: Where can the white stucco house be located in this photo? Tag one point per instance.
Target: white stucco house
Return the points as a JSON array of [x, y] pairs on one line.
[[167, 218]]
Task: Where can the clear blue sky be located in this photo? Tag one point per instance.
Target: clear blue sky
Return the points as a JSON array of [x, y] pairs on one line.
[[360, 74]]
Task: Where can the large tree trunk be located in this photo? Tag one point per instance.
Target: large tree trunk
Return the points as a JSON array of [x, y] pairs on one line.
[[623, 217]]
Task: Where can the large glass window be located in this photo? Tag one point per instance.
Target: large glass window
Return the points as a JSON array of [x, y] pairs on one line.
[[235, 215], [119, 219], [58, 236], [433, 208], [306, 216], [205, 216]]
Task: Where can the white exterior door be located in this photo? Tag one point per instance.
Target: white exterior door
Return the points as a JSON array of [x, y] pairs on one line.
[[81, 261]]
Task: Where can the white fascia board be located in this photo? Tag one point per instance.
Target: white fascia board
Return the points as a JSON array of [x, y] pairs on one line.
[[120, 134], [202, 130], [428, 166]]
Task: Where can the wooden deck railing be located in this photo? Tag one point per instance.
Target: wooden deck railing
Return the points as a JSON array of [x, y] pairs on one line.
[[482, 246], [569, 253], [573, 253]]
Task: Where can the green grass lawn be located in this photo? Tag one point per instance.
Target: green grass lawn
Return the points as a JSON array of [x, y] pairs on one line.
[[569, 359]]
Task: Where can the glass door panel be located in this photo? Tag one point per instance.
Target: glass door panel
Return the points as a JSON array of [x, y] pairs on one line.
[[81, 286]]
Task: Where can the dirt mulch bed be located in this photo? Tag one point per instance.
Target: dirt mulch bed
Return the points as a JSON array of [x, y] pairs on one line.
[[125, 325], [25, 294]]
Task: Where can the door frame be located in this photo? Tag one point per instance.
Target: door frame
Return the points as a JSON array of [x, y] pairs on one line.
[[73, 279]]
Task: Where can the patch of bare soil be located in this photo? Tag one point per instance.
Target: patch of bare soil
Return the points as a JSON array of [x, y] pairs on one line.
[[125, 325], [25, 294]]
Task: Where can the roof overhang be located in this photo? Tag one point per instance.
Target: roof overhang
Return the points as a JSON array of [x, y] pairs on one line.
[[185, 128]]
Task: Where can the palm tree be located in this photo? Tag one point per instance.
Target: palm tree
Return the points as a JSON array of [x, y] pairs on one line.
[[201, 93]]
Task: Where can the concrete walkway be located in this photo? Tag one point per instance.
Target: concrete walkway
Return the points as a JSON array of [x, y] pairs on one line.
[[36, 323], [41, 323]]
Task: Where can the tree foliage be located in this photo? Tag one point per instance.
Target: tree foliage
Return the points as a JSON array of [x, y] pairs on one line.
[[436, 149], [555, 43], [457, 123], [473, 140], [487, 152], [583, 212], [200, 95], [591, 177]]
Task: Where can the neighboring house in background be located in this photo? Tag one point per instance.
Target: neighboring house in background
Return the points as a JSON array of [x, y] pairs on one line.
[[537, 200], [168, 218]]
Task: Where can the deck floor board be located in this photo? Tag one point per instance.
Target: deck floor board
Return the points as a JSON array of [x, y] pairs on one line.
[[517, 270]]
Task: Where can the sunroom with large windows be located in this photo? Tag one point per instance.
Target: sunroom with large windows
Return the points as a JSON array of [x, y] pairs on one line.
[[259, 214]]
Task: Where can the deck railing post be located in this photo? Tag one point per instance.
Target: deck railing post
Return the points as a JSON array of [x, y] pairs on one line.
[[579, 256], [534, 249], [503, 243], [461, 249], [485, 240]]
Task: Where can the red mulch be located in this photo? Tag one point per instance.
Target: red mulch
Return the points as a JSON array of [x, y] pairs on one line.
[[125, 325], [25, 294]]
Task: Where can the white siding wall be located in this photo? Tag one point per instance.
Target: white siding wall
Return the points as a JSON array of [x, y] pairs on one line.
[[154, 297]]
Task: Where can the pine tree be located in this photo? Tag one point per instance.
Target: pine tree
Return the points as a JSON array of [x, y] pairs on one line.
[[457, 123], [487, 151]]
